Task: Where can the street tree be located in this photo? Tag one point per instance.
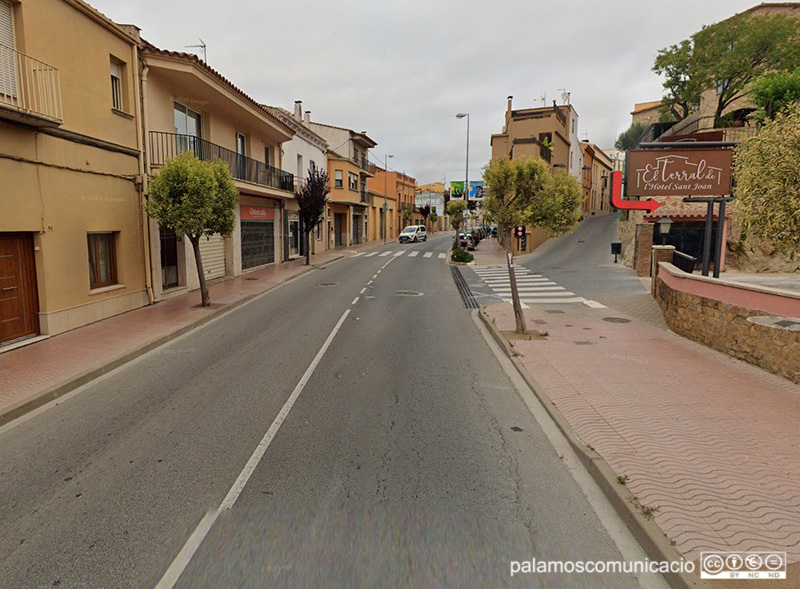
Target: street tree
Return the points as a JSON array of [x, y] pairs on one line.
[[628, 138], [197, 199], [774, 92], [455, 208], [523, 192], [433, 217], [767, 169], [311, 199], [406, 215], [425, 211]]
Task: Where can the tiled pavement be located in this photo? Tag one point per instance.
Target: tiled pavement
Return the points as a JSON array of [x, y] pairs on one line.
[[34, 374], [710, 443]]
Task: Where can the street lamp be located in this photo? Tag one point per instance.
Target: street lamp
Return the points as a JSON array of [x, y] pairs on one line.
[[385, 203], [461, 115], [664, 225]]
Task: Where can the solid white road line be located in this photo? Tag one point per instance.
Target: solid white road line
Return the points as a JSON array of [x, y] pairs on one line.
[[427, 254], [178, 565]]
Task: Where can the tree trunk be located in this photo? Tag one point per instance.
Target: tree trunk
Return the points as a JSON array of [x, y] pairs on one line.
[[519, 316], [308, 248], [206, 300]]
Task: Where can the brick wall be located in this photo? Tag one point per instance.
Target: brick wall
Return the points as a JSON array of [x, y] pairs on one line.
[[725, 327]]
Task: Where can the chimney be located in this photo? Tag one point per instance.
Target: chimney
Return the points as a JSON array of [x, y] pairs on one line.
[[298, 110], [308, 117], [509, 103]]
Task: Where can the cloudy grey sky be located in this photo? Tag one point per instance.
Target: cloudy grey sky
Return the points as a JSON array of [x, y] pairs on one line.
[[401, 70]]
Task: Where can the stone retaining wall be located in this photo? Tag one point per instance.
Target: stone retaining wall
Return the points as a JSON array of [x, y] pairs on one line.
[[725, 327]]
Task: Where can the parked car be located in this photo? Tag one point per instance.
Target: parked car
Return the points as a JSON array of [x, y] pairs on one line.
[[470, 243], [413, 234], [462, 238]]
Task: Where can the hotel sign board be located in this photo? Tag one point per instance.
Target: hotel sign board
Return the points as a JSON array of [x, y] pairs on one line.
[[679, 172]]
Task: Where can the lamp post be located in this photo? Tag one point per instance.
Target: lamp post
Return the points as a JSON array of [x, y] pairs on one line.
[[385, 203], [461, 115], [664, 225]]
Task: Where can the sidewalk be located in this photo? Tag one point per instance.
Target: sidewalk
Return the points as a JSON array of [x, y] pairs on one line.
[[707, 445], [33, 375]]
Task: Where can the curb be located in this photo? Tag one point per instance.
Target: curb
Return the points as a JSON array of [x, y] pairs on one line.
[[43, 397], [651, 538]]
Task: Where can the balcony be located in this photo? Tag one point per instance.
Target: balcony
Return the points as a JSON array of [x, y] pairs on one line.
[[30, 90], [164, 146], [362, 162], [366, 197]]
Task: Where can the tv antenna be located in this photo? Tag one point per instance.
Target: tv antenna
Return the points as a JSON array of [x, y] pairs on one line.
[[544, 99], [564, 95], [202, 47]]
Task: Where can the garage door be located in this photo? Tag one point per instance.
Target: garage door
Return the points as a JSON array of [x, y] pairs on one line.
[[212, 251]]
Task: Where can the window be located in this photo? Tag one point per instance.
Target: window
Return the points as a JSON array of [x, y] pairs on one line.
[[312, 165], [116, 85], [545, 146], [8, 72], [319, 231], [338, 179], [352, 181], [300, 171], [266, 155], [102, 260]]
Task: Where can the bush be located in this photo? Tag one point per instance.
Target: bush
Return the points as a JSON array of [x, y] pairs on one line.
[[461, 255]]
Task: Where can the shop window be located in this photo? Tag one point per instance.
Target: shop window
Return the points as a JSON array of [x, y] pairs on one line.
[[102, 259]]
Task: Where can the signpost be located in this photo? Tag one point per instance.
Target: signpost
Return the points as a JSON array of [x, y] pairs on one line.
[[699, 171]]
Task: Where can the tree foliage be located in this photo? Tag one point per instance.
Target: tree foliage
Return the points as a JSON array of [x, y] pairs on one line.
[[727, 56], [682, 89], [524, 192], [311, 199], [774, 92], [767, 169], [425, 211], [627, 139], [195, 198], [406, 215]]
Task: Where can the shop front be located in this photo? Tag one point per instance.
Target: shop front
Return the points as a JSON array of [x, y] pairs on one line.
[[258, 236]]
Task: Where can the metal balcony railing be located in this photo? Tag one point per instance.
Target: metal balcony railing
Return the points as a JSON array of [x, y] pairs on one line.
[[361, 161], [29, 86], [164, 146]]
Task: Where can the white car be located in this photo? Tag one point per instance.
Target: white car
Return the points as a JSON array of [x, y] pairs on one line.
[[413, 233]]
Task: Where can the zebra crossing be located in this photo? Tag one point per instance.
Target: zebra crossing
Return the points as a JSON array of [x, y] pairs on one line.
[[411, 254], [533, 289]]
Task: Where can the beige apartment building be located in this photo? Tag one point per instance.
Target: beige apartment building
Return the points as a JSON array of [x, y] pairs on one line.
[[346, 215], [71, 229], [543, 133], [189, 106], [597, 168]]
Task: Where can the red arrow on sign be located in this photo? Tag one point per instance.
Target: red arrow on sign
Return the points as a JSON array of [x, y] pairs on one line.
[[648, 205]]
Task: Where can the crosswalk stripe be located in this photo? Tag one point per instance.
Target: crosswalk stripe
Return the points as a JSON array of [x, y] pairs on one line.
[[371, 254], [427, 254], [400, 253], [412, 254], [384, 254], [358, 254], [442, 256]]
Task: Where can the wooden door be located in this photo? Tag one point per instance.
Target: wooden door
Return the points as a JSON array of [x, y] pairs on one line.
[[19, 302]]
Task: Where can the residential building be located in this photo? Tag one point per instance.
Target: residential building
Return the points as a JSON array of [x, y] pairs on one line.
[[189, 106], [597, 168], [436, 201], [646, 113], [71, 230], [348, 171], [543, 132], [403, 188], [309, 151]]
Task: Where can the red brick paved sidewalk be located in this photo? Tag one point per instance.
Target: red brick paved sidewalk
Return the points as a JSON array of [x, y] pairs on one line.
[[34, 374], [709, 442]]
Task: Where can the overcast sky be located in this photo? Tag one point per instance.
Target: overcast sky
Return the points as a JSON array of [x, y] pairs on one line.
[[401, 70]]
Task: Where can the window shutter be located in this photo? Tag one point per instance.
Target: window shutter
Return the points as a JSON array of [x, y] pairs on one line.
[[116, 71], [6, 31]]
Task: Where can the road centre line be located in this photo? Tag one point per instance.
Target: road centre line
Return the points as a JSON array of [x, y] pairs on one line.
[[362, 290], [355, 300], [186, 553]]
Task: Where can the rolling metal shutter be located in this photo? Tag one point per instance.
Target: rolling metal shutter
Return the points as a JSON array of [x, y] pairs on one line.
[[212, 251], [8, 73]]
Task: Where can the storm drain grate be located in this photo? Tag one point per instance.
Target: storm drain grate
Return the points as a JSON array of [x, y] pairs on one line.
[[463, 288]]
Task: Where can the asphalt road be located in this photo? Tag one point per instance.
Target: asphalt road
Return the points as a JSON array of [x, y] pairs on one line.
[[407, 459]]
